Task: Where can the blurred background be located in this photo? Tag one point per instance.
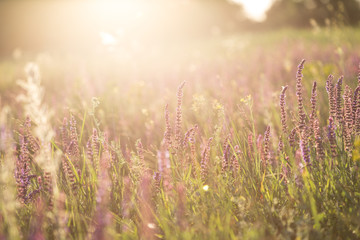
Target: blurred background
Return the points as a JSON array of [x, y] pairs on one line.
[[78, 26]]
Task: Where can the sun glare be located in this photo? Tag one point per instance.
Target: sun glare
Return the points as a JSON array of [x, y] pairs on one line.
[[255, 9]]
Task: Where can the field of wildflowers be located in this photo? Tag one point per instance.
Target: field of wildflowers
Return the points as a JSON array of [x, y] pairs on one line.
[[235, 138]]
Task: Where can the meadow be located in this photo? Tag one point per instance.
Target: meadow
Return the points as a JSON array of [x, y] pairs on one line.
[[232, 137]]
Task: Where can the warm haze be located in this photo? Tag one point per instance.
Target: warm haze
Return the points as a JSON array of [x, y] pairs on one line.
[[181, 119]]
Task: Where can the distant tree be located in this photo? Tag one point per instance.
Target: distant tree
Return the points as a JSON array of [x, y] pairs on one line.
[[299, 13], [223, 14], [180, 20]]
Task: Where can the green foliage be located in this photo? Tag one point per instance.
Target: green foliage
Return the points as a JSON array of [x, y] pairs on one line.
[[306, 13], [113, 176]]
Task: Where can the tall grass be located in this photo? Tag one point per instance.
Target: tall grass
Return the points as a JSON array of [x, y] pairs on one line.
[[68, 175]]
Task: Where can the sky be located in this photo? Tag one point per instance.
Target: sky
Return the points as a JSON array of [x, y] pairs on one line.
[[255, 9]]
